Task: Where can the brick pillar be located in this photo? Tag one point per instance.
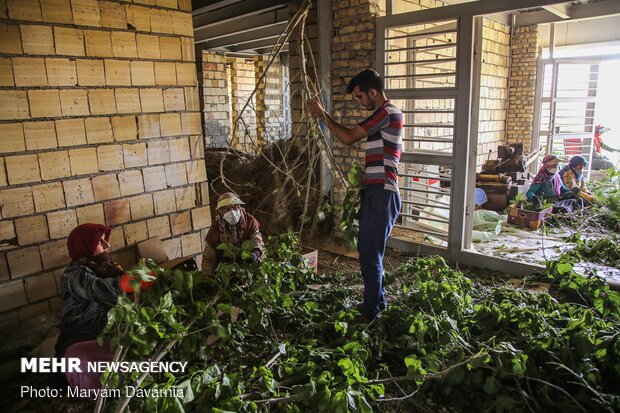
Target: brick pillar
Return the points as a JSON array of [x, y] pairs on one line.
[[216, 100], [524, 53], [274, 101], [259, 69], [353, 50], [242, 84]]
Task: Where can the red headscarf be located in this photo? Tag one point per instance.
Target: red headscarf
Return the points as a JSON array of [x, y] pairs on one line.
[[83, 240]]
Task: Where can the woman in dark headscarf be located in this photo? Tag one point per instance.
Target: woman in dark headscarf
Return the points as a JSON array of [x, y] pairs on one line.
[[572, 176], [89, 287], [548, 185], [232, 225]]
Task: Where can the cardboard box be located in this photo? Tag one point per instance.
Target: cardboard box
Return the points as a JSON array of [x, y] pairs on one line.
[[153, 248], [312, 257], [526, 218]]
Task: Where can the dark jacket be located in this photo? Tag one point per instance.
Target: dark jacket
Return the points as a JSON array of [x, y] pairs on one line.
[[86, 299]]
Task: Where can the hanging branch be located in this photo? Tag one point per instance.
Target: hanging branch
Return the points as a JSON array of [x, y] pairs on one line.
[[306, 93], [301, 13], [309, 152]]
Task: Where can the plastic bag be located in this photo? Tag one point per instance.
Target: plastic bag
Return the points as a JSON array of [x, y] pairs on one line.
[[487, 225]]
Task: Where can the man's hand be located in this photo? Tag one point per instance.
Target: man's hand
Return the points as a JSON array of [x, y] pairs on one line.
[[346, 135], [315, 108]]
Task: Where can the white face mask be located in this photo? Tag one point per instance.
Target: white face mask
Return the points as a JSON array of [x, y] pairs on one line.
[[553, 170], [232, 216]]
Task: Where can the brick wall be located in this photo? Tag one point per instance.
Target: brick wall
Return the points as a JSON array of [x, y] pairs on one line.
[[261, 108], [493, 89], [270, 99], [522, 85], [353, 50], [242, 84], [100, 123], [227, 84], [216, 100]]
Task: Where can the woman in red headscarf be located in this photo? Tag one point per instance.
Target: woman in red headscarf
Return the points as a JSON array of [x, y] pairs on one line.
[[89, 287]]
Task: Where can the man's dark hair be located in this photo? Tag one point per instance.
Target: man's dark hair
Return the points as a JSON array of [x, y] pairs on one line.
[[366, 80]]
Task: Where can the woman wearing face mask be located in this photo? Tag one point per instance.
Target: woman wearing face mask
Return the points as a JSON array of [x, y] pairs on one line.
[[89, 287], [232, 225], [572, 176], [548, 185]]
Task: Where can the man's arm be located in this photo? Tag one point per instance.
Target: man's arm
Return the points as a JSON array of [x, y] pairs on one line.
[[608, 148], [346, 135]]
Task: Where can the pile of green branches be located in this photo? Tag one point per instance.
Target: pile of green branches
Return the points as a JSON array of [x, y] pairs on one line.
[[607, 206], [349, 222], [298, 343], [604, 251], [522, 202]]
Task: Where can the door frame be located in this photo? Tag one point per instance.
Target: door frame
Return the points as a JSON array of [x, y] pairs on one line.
[[465, 136]]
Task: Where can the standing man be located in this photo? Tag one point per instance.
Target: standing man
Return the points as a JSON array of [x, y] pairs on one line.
[[380, 197]]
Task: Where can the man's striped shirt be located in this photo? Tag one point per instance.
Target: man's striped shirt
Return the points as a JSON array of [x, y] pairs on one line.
[[383, 147]]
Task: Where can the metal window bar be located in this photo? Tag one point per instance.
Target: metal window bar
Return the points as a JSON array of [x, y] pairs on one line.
[[424, 229], [438, 71], [421, 36], [425, 210], [426, 205], [422, 62], [447, 45], [430, 125], [440, 177], [428, 111], [423, 191], [425, 75], [429, 140], [443, 191], [421, 218]]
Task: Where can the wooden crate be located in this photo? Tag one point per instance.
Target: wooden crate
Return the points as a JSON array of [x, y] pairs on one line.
[[527, 218]]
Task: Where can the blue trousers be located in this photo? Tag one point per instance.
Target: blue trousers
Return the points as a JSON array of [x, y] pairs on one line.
[[378, 214]]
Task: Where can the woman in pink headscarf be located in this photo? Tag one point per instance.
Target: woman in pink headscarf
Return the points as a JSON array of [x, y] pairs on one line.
[[547, 185]]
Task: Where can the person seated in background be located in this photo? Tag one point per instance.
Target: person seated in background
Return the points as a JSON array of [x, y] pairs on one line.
[[232, 225], [600, 161], [572, 176], [89, 287], [547, 185]]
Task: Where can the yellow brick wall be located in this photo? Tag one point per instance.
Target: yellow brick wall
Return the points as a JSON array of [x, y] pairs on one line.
[[493, 89], [524, 55], [352, 50], [270, 101], [243, 82], [99, 122], [216, 97], [227, 84]]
